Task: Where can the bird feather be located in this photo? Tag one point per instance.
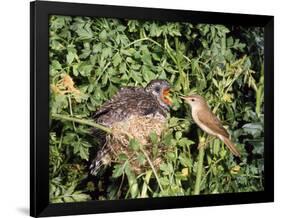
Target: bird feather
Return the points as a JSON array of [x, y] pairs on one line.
[[207, 118]]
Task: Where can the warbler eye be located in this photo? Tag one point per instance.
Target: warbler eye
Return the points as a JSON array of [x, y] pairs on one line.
[[192, 99]]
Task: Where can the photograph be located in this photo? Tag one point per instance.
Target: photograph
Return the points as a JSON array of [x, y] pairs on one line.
[[152, 109]]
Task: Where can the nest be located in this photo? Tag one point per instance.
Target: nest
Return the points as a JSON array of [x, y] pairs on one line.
[[139, 128]]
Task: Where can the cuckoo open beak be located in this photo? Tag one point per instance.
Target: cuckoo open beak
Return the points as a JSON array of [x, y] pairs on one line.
[[166, 96]]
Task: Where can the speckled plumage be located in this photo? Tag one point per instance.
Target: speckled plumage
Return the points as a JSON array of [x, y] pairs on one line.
[[126, 103]]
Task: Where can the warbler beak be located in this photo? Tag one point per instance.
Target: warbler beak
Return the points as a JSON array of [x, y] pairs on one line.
[[166, 96], [186, 98]]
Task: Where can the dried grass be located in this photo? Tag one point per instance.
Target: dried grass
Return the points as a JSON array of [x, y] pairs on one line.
[[65, 85], [139, 128]]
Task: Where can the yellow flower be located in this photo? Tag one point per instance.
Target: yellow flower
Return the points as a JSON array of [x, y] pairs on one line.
[[184, 172], [227, 98], [235, 170]]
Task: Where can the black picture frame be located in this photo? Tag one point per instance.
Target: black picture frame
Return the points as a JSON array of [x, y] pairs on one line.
[[39, 108]]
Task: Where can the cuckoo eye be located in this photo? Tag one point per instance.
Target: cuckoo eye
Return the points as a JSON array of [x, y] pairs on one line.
[[157, 89], [192, 99]]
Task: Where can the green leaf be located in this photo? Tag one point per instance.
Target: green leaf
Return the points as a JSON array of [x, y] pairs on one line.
[[136, 76], [126, 52], [153, 137], [103, 36], [116, 60], [166, 168], [254, 129], [106, 52], [164, 181], [85, 69], [178, 135], [184, 160], [84, 153], [167, 138], [134, 144], [122, 157], [141, 159], [97, 48], [70, 57], [223, 64], [216, 146], [118, 170], [185, 142], [56, 45], [146, 58], [58, 22], [84, 33], [79, 197], [229, 41], [56, 65], [148, 75], [171, 156], [59, 103]]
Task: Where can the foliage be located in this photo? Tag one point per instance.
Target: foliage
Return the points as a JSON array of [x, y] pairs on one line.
[[91, 58]]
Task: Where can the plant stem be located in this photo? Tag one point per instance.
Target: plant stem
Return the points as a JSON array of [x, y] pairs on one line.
[[179, 56], [209, 171], [145, 184], [120, 186], [199, 170], [70, 110], [108, 130], [143, 39], [81, 121], [153, 169]]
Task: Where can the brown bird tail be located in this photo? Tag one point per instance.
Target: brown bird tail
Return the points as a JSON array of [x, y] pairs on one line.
[[231, 146]]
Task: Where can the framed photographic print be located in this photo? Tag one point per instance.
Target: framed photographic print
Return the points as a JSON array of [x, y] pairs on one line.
[[140, 109]]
